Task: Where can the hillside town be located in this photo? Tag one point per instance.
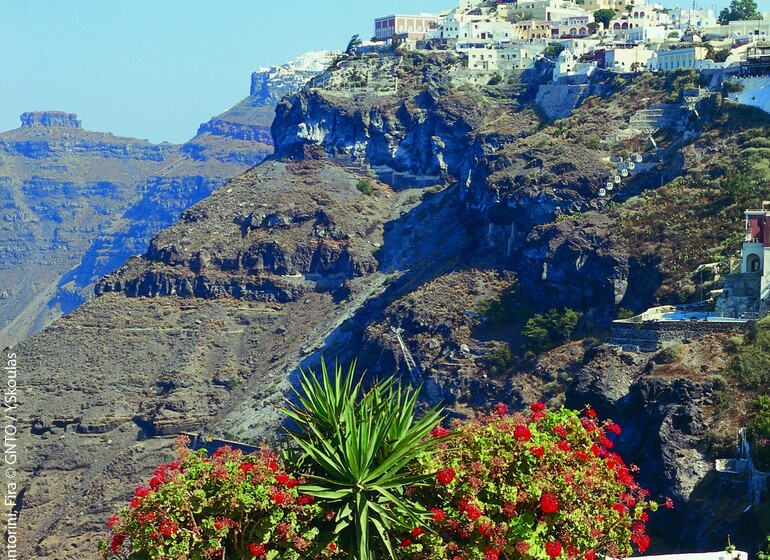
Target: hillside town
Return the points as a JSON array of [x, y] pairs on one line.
[[499, 36]]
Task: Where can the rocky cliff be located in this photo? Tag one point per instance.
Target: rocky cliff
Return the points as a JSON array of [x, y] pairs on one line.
[[443, 213], [132, 190]]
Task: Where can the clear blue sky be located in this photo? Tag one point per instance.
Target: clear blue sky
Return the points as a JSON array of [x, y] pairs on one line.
[[156, 69]]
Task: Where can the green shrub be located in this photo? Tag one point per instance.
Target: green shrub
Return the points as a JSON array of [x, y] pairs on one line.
[[531, 486], [752, 365], [732, 87], [500, 358], [364, 186], [365, 479], [668, 355], [625, 313], [545, 331]]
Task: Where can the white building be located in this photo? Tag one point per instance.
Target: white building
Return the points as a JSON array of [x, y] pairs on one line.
[[505, 57], [646, 34], [683, 19], [627, 58], [404, 25], [677, 58]]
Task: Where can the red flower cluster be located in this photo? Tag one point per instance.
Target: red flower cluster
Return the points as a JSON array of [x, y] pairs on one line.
[[440, 431], [445, 475], [549, 503], [522, 433], [256, 549]]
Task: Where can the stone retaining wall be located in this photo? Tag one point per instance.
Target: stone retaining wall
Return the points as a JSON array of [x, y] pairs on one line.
[[649, 336]]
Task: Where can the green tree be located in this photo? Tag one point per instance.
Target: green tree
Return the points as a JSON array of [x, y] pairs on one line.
[[739, 10], [353, 44], [604, 17], [546, 330]]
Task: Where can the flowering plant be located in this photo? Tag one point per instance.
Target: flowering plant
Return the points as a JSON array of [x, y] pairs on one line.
[[366, 481], [230, 505], [545, 485]]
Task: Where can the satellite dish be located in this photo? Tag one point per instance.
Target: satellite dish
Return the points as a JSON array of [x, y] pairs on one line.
[[638, 158], [631, 165], [617, 179], [602, 192], [609, 184], [624, 172]]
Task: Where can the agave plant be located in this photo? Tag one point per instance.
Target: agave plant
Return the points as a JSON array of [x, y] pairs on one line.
[[357, 447]]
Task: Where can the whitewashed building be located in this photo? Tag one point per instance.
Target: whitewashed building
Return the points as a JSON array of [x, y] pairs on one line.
[[677, 58]]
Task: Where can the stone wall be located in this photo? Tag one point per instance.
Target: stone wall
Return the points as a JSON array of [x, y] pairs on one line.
[[740, 295], [649, 336]]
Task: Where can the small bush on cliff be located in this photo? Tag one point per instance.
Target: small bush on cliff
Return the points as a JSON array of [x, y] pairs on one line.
[[752, 365], [364, 186], [546, 330], [370, 480]]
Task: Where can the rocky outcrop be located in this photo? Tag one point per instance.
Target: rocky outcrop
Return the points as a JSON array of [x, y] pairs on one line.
[[280, 225], [49, 118], [666, 411], [575, 264]]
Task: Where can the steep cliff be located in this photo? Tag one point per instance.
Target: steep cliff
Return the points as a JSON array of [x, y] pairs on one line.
[[61, 186], [133, 189]]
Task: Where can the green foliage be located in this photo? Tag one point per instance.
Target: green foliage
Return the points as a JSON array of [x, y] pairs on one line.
[[734, 344], [604, 16], [544, 331], [364, 186], [721, 55], [759, 431], [353, 44], [356, 448], [552, 51], [739, 10], [729, 86], [535, 486], [593, 143], [765, 554], [198, 507], [495, 80], [625, 313], [505, 308], [670, 354], [752, 366], [367, 480], [500, 358]]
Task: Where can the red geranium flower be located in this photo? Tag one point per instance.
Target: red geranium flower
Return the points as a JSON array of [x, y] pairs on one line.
[[590, 555], [500, 409], [246, 467], [446, 475], [491, 554], [522, 433], [112, 521], [141, 491], [416, 532], [437, 515], [282, 478], [553, 549], [560, 430], [549, 503], [256, 549], [614, 428], [439, 431], [404, 543], [538, 451], [537, 407]]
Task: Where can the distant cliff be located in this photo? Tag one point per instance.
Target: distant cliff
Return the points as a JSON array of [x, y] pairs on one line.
[[81, 203]]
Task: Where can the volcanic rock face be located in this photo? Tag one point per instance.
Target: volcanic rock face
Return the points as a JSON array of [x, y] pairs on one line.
[[61, 186], [81, 203], [50, 118]]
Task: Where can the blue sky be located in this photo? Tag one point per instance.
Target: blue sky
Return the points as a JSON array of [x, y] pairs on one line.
[[157, 68]]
